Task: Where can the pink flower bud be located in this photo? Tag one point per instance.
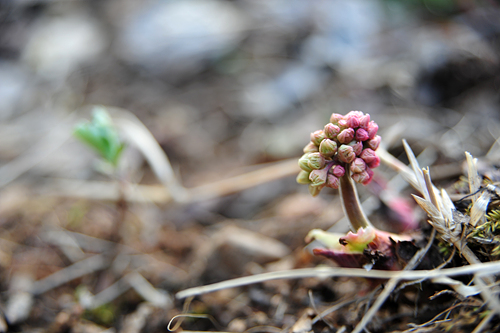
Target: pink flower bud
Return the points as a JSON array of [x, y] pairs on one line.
[[374, 143], [332, 182], [342, 123], [317, 177], [328, 147], [358, 165], [372, 129], [368, 155], [362, 177], [335, 117], [357, 114], [317, 137], [374, 163], [316, 161], [346, 154], [331, 131], [346, 135], [357, 146], [310, 148], [352, 119], [361, 135], [364, 120], [338, 171], [369, 172]]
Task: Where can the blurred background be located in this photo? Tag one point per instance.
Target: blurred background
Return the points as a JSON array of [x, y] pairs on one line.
[[225, 85], [243, 82]]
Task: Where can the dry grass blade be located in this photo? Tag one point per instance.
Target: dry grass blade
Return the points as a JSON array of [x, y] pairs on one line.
[[429, 208], [478, 210], [473, 176], [447, 205], [141, 137], [449, 228], [458, 286], [482, 325], [487, 294], [417, 171], [106, 191], [431, 189], [69, 273], [190, 315], [398, 166], [479, 202], [326, 272]]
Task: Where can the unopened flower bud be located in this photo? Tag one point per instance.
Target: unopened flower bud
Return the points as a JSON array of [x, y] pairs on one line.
[[316, 161], [358, 165], [338, 171], [317, 137], [369, 172], [331, 131], [357, 146], [372, 129], [374, 163], [304, 163], [314, 190], [361, 135], [352, 119], [346, 154], [342, 123], [303, 177], [311, 148], [335, 117], [317, 177], [332, 182], [364, 121], [328, 147], [374, 143], [346, 135], [362, 178], [368, 155]]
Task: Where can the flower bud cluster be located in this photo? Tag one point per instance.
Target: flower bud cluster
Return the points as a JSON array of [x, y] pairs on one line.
[[346, 144]]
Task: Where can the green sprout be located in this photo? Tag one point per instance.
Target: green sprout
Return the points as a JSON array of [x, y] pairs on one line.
[[101, 136]]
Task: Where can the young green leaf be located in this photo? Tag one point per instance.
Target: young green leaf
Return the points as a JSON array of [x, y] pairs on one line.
[[101, 135]]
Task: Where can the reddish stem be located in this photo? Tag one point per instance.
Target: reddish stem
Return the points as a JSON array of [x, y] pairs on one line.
[[350, 202]]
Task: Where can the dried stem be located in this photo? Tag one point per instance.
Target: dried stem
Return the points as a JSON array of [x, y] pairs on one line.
[[350, 203]]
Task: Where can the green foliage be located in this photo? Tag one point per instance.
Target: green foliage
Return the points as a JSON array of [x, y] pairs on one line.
[[101, 136], [488, 234], [103, 315]]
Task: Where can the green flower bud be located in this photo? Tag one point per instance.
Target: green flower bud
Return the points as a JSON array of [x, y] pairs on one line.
[[316, 161], [318, 177], [304, 163], [335, 117], [303, 177], [314, 190], [331, 131], [317, 137], [328, 148], [311, 148], [346, 154]]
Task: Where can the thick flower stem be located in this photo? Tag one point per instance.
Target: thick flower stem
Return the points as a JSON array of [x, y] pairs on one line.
[[350, 203]]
